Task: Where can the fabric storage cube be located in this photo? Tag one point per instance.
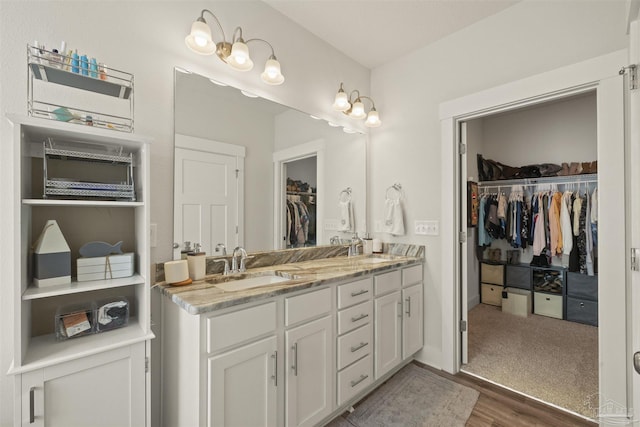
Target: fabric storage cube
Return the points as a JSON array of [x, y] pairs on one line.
[[517, 302], [547, 304], [75, 320], [111, 313], [491, 294], [582, 311], [518, 276], [105, 267], [492, 273], [582, 286]]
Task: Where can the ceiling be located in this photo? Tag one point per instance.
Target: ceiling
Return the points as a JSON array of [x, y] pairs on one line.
[[374, 32]]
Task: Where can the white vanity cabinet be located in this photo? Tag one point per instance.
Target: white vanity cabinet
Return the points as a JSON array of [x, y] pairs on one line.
[[64, 173], [309, 367], [412, 314]]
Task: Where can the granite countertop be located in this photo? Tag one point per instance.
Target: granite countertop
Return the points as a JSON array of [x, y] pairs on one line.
[[203, 296]]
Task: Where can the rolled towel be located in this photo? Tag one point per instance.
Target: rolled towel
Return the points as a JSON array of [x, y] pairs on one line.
[[393, 217]]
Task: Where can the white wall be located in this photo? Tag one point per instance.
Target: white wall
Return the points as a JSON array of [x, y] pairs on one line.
[[147, 39], [523, 40]]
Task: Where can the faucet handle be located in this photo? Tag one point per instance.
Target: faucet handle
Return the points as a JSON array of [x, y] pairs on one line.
[[243, 267], [226, 265]]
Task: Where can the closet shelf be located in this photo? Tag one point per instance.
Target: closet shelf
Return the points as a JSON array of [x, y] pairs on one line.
[[301, 193], [568, 179]]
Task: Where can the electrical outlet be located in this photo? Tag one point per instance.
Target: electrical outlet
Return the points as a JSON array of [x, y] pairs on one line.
[[153, 235], [427, 228], [331, 224]]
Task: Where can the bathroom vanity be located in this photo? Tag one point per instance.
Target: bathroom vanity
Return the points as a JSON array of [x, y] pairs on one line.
[[293, 353]]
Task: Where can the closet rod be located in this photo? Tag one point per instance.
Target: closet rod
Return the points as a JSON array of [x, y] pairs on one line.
[[569, 179], [535, 184], [301, 193]]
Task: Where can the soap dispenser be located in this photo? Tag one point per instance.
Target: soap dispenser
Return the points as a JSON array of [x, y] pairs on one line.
[[197, 262]]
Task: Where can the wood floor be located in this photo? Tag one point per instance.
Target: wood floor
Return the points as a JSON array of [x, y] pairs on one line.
[[498, 406]]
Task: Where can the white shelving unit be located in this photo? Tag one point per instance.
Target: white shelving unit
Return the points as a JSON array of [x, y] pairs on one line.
[[35, 347]]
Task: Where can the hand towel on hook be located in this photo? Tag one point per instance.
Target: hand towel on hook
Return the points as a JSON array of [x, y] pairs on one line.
[[346, 216], [393, 217]]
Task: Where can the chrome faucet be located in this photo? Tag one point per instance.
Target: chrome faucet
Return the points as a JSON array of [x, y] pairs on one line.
[[221, 246], [226, 265], [234, 260], [353, 249]]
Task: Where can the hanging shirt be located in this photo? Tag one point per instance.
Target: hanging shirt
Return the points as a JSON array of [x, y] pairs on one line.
[[483, 237], [565, 226], [554, 224]]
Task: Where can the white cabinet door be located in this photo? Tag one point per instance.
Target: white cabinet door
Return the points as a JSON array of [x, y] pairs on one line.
[[104, 390], [242, 386], [412, 337], [388, 323], [309, 372]]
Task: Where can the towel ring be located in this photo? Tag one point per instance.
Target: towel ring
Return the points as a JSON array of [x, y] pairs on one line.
[[396, 189], [345, 195]]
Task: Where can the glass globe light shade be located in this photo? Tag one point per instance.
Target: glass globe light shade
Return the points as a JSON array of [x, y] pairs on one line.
[[341, 103], [199, 39], [239, 58], [272, 74], [373, 119], [357, 110]]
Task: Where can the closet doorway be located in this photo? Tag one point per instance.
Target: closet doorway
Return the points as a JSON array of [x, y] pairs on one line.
[[601, 75], [301, 202], [299, 197], [532, 283]]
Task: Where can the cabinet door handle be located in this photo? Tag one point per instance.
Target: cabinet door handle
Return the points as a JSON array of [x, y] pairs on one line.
[[359, 346], [361, 292], [295, 359], [274, 377], [362, 316], [408, 299], [359, 380], [32, 398]]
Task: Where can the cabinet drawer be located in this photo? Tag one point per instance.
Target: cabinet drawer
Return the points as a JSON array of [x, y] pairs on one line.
[[354, 345], [238, 326], [491, 294], [412, 275], [387, 282], [355, 316], [547, 305], [492, 273], [518, 276], [354, 379], [354, 292], [582, 311], [307, 306], [582, 286]]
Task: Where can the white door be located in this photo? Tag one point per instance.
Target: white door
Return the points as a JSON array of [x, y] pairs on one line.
[[388, 330], [242, 386], [103, 390], [309, 373], [462, 228], [206, 188], [412, 337], [633, 159]]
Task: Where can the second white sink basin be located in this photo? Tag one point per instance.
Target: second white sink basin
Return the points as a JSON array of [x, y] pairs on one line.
[[250, 282]]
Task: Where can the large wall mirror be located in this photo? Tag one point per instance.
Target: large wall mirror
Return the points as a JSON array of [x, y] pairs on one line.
[[299, 182]]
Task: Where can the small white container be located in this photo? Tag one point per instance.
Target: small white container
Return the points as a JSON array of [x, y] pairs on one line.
[[377, 246], [176, 271], [197, 265], [105, 267]]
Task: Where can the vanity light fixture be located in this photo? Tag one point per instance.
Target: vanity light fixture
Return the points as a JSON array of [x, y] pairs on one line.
[[234, 53], [352, 106]]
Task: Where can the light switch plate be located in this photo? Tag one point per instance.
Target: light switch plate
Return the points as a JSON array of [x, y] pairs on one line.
[[331, 224], [427, 227]]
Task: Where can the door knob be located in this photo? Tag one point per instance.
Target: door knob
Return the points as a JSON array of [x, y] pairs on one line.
[[636, 361], [176, 245]]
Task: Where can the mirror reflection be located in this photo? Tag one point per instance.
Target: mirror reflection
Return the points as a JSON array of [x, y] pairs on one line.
[[254, 173]]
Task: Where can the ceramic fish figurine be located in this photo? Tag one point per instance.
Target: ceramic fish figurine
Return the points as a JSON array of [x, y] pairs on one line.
[[98, 249]]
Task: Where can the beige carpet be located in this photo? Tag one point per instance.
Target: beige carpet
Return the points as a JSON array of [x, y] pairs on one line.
[[413, 397], [550, 359]]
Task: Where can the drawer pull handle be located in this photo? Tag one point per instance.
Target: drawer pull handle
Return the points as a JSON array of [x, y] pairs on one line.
[[359, 346], [362, 316], [547, 298], [359, 380], [408, 299], [274, 377], [32, 398], [295, 359], [360, 292], [581, 305]]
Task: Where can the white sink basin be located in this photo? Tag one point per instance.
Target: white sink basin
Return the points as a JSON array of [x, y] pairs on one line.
[[250, 282], [373, 260]]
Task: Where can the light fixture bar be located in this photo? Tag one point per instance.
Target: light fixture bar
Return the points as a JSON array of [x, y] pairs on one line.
[[353, 106]]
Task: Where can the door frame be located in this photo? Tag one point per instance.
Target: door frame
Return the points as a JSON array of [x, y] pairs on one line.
[[215, 147], [280, 158], [562, 82]]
